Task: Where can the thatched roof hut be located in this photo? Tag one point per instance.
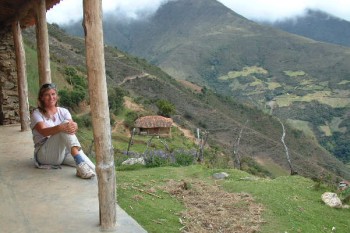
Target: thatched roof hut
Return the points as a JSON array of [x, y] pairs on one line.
[[154, 125]]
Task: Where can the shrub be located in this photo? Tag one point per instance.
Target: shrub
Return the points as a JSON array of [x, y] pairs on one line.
[[183, 158], [165, 108], [130, 119], [116, 99], [83, 121], [156, 158], [345, 195], [72, 98]]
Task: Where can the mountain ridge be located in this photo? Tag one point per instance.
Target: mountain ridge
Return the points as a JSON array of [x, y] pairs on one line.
[[317, 25]]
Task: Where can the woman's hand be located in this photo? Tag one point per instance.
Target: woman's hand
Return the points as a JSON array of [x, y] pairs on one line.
[[70, 127]]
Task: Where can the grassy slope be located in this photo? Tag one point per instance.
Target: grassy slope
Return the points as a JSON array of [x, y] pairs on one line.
[[222, 117], [204, 42], [291, 202], [33, 76]]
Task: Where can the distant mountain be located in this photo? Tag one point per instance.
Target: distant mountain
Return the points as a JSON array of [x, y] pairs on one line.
[[293, 77], [317, 25]]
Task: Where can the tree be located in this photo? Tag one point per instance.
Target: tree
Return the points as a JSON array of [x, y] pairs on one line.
[[236, 146], [116, 99], [292, 171], [165, 108]]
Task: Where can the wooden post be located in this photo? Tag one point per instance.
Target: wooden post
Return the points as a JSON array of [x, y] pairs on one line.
[[42, 39], [21, 76], [95, 62]]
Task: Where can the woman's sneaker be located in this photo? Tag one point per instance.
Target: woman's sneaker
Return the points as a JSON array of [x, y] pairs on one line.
[[84, 171]]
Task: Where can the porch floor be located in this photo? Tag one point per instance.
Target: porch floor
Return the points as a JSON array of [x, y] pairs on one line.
[[44, 201]]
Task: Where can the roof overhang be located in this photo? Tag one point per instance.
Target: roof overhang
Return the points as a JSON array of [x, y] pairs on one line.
[[23, 10]]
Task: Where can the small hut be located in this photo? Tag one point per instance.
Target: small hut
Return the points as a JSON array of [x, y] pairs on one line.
[[154, 125]]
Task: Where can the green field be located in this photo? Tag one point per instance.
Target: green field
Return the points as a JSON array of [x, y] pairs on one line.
[[290, 203]]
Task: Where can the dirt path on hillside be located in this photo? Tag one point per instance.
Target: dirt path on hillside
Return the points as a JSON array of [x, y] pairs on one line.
[[187, 133], [211, 209], [142, 75]]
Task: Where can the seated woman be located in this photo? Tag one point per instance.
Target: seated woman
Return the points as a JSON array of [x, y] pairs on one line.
[[54, 135]]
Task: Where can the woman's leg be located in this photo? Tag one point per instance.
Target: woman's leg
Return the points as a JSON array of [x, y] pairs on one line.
[[68, 160], [87, 160], [53, 150]]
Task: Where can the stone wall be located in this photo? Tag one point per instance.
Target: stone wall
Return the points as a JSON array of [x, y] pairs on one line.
[[9, 102]]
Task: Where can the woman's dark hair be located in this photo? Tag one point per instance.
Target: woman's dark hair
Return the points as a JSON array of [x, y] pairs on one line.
[[43, 89]]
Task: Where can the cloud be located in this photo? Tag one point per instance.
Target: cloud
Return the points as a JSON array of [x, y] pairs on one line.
[[272, 10], [267, 10], [69, 10]]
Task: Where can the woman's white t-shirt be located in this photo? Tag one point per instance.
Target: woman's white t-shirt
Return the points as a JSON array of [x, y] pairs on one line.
[[61, 115]]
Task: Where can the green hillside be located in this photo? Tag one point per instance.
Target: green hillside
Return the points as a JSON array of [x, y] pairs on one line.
[[204, 42], [221, 116]]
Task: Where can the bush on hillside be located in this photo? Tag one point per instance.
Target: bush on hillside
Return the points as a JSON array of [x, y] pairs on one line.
[[72, 98], [159, 158], [165, 108], [345, 195], [116, 99], [83, 121], [130, 119]]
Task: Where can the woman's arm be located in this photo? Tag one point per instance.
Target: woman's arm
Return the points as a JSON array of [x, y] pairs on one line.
[[69, 128]]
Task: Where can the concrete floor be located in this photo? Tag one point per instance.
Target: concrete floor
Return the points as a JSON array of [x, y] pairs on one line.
[[43, 201]]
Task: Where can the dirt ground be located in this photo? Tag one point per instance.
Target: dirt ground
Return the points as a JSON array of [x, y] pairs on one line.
[[211, 209]]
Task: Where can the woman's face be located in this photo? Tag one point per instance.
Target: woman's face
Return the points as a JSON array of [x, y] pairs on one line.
[[49, 98]]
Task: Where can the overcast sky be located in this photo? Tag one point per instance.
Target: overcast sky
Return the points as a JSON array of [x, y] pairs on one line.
[[270, 10]]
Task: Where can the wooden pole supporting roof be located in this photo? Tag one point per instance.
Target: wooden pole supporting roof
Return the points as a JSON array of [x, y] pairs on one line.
[[96, 72], [42, 40], [21, 77]]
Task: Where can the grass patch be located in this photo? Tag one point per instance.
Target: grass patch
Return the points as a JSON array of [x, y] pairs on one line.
[[272, 167], [293, 205], [290, 203], [153, 213], [336, 102], [294, 73], [343, 82], [257, 82], [323, 97], [273, 85], [334, 125], [248, 70], [326, 130], [32, 74], [303, 126]]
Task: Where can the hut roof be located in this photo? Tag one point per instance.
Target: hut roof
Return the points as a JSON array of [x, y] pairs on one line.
[[149, 122], [24, 10]]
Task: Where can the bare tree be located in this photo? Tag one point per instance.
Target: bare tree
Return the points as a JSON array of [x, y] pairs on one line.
[[236, 144], [130, 140], [203, 138], [292, 171]]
